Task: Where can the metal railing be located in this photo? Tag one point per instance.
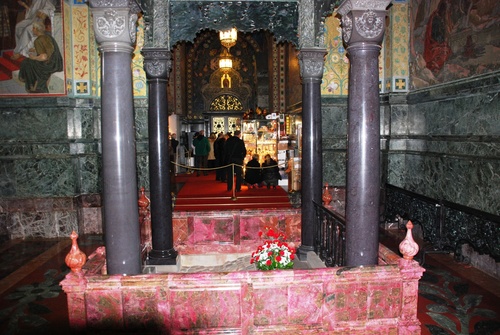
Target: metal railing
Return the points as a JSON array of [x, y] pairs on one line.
[[329, 241], [446, 226]]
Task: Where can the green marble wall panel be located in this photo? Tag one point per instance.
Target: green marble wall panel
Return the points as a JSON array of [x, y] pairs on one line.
[[142, 142], [35, 123], [45, 177], [446, 143], [141, 119], [88, 173], [7, 180], [49, 147], [143, 170], [334, 132]]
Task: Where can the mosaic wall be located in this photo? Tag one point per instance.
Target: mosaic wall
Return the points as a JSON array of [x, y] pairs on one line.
[[393, 60]]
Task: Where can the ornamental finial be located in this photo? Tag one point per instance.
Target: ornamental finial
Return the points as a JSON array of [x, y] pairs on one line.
[[76, 258], [408, 247]]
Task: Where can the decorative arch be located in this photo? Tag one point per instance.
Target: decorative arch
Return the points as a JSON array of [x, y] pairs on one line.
[[226, 102], [237, 95]]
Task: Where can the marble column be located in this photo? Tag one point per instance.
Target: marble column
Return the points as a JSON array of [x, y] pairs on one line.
[[157, 64], [363, 24], [311, 62], [114, 24]]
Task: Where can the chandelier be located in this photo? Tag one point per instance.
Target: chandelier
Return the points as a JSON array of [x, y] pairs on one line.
[[225, 60], [228, 37]]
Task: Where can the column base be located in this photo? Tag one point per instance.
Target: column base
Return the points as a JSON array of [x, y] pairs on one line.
[[302, 252], [162, 257]]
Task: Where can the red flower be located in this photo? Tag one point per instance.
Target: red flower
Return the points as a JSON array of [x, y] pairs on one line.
[[278, 258], [268, 262], [292, 257], [260, 234]]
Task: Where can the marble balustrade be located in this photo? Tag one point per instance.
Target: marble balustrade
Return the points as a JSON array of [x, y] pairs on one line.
[[375, 299]]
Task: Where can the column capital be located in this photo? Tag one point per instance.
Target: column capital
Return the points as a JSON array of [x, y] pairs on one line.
[[115, 24], [363, 20], [157, 62], [311, 62]]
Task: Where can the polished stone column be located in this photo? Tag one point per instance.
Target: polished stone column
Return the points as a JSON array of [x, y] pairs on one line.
[[363, 24], [157, 64], [311, 68], [114, 27]]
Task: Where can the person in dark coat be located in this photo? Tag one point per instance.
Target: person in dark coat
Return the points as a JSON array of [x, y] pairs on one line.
[[270, 172], [219, 157], [234, 153], [201, 149], [253, 171]]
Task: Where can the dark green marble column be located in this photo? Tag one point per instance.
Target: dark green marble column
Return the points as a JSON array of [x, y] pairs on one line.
[[363, 26], [112, 23], [311, 68], [157, 64]]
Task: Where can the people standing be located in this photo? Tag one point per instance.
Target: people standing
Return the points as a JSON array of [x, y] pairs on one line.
[[211, 154], [193, 150], [202, 148], [219, 157], [270, 172], [173, 151], [234, 154]]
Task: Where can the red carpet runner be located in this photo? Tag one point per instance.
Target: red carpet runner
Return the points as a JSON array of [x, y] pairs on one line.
[[204, 193]]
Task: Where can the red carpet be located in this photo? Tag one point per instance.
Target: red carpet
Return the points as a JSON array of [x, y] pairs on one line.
[[204, 193]]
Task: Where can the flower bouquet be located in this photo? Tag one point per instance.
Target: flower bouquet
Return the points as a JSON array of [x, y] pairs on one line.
[[274, 253]]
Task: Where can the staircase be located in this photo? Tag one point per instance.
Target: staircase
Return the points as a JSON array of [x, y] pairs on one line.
[[9, 69]]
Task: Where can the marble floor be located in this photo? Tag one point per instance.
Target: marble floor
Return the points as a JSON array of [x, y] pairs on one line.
[[453, 298]]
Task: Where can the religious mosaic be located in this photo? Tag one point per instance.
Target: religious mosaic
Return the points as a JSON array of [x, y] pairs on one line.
[[32, 48], [453, 40]]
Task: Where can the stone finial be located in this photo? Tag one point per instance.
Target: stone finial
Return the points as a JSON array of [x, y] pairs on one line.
[[408, 247], [145, 221], [76, 258], [327, 197], [143, 201]]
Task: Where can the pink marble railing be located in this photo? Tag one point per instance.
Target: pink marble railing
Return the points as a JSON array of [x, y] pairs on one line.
[[363, 300]]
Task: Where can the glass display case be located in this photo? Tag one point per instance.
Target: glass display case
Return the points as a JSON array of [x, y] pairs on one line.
[[261, 137]]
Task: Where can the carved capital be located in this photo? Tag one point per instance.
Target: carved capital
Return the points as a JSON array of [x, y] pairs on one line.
[[363, 20], [115, 24], [157, 62], [311, 62]]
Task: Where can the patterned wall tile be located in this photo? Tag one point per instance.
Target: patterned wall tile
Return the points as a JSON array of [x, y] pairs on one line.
[[400, 40], [67, 48], [80, 49], [335, 76], [138, 74]]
